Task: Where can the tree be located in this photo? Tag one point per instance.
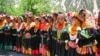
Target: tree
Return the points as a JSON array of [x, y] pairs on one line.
[[19, 7]]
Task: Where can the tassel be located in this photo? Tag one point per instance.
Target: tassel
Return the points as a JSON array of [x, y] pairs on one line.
[[48, 53], [98, 50], [10, 47], [18, 49], [90, 51], [87, 50], [29, 51], [23, 50], [14, 48], [78, 49], [26, 51], [83, 51], [36, 52], [94, 48]]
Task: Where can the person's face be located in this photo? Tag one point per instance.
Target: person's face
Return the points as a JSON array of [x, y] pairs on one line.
[[42, 20], [83, 14], [8, 20], [29, 19], [75, 21], [60, 19], [19, 20], [14, 20], [36, 21], [49, 20]]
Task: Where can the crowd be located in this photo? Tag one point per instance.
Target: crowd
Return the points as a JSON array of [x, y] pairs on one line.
[[55, 34]]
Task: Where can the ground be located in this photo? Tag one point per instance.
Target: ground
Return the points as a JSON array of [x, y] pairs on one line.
[[10, 53]]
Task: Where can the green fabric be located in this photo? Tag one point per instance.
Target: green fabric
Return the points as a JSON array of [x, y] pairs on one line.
[[67, 28], [8, 47], [58, 34], [86, 34], [1, 46]]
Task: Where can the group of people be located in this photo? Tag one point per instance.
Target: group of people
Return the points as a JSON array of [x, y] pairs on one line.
[[55, 34]]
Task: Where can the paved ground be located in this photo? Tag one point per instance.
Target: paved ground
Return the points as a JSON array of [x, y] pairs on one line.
[[10, 53]]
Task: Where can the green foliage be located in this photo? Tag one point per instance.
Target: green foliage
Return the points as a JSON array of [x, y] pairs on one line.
[[19, 7]]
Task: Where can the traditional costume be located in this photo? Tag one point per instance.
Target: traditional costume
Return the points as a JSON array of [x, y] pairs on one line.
[[14, 35], [98, 36], [2, 24], [20, 30], [44, 27], [86, 43], [35, 40], [61, 36], [27, 37], [98, 41], [72, 40], [8, 36]]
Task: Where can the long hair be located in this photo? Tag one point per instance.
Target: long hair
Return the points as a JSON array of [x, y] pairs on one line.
[[99, 18]]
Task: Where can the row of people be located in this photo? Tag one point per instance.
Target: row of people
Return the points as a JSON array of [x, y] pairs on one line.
[[51, 35]]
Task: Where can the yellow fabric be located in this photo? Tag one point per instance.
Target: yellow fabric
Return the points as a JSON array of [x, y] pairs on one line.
[[14, 25], [2, 24], [94, 48], [83, 51], [23, 50], [58, 35], [66, 41], [29, 51], [48, 53]]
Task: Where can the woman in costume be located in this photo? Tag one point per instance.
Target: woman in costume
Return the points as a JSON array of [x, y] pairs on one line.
[[98, 36], [28, 35], [20, 29], [7, 32], [50, 40], [60, 36], [14, 36], [72, 40], [2, 24], [44, 28], [86, 44], [53, 34], [35, 40]]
